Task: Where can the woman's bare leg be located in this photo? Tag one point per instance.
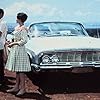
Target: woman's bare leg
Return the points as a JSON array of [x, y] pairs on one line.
[[22, 81], [17, 80], [22, 84], [16, 87]]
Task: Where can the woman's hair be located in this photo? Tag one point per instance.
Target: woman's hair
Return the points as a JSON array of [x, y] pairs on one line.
[[22, 17], [1, 12]]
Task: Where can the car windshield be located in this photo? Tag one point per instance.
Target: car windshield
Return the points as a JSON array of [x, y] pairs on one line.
[[57, 29]]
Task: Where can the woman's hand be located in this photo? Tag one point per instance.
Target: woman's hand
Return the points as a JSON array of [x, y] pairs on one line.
[[7, 42], [10, 45]]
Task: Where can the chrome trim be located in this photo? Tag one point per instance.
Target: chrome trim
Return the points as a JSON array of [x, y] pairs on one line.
[[76, 56], [64, 66]]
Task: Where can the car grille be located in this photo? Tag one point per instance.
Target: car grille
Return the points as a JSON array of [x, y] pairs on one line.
[[77, 56]]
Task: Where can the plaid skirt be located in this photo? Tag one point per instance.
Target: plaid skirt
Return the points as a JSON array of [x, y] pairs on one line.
[[18, 60]]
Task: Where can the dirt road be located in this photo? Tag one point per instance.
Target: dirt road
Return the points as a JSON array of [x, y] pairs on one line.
[[55, 86]]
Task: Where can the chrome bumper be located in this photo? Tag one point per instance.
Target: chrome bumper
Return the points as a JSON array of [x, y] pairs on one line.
[[64, 66]]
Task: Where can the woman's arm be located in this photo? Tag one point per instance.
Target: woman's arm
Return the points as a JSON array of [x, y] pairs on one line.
[[24, 37], [12, 44]]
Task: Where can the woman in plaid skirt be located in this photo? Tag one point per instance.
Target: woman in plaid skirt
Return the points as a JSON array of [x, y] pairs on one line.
[[18, 60]]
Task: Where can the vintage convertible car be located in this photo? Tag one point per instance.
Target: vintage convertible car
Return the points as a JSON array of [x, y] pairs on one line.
[[55, 46], [61, 45]]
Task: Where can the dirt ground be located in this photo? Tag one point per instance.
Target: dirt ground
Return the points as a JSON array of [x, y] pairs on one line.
[[55, 86]]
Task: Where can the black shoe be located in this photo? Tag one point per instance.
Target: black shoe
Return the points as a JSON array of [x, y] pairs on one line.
[[2, 83]]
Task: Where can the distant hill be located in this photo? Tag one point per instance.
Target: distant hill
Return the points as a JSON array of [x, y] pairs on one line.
[[93, 29], [91, 25]]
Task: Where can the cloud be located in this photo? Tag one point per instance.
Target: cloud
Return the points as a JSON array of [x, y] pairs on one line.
[[46, 12], [32, 9]]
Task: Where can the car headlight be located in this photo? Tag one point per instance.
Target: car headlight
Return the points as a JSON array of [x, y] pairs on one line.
[[45, 59], [55, 59]]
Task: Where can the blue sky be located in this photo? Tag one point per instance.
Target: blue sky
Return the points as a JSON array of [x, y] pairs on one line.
[[85, 11]]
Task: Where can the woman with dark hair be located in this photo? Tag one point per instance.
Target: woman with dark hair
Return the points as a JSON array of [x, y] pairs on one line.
[[18, 60]]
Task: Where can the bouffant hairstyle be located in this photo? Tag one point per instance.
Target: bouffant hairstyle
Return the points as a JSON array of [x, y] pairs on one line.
[[22, 17], [1, 12]]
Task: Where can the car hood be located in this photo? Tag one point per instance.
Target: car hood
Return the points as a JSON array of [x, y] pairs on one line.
[[41, 44]]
